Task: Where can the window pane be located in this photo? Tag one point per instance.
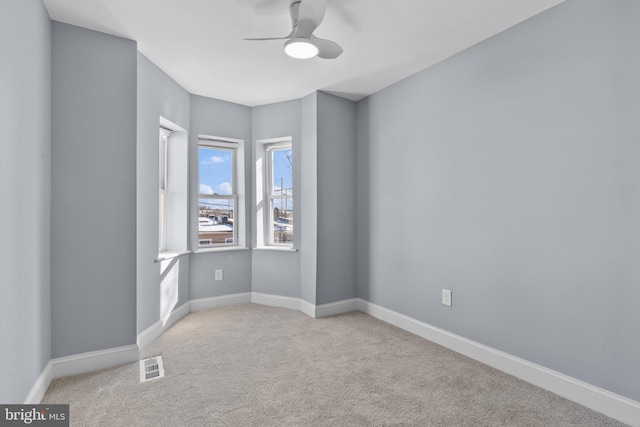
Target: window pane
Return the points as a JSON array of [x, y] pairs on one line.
[[162, 229], [282, 211], [215, 222], [282, 172], [216, 171], [281, 196]]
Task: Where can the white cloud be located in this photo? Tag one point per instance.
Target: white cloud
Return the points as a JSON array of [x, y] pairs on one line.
[[215, 159], [224, 188], [206, 189]]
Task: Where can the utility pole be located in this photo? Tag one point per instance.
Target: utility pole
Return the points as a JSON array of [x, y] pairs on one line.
[[286, 202]]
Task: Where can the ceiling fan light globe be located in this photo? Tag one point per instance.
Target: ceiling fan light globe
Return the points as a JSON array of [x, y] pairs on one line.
[[300, 48]]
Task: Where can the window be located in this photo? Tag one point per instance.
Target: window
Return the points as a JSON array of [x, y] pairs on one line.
[[218, 194], [280, 215], [163, 167], [173, 188]]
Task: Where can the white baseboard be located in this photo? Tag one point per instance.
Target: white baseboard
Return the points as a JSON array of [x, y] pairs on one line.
[[216, 302], [598, 399], [80, 364], [315, 311], [276, 301], [307, 308], [335, 308], [40, 386], [150, 334], [94, 360]]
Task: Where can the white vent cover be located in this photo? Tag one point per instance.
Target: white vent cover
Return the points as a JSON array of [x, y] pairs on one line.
[[151, 368]]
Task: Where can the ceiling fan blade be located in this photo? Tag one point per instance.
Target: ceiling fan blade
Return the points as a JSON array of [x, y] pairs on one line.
[[327, 49], [312, 10], [310, 15], [267, 38], [271, 38]]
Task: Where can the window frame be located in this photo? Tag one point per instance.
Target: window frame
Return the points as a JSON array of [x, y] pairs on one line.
[[233, 146], [269, 149], [163, 177]]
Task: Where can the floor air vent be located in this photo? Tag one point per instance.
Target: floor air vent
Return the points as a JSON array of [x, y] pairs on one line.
[[151, 369]]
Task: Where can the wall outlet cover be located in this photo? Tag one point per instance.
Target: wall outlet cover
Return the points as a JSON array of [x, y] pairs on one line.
[[218, 275], [446, 297]]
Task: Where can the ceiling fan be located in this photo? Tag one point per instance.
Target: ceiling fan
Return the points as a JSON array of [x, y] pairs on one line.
[[306, 16]]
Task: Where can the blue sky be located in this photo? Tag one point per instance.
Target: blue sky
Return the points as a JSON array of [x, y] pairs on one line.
[[283, 173], [216, 170]]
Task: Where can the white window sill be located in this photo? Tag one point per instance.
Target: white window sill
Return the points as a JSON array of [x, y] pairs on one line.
[[220, 249], [276, 248], [163, 256]]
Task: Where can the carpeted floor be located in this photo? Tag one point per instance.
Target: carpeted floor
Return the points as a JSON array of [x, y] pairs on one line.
[[252, 365]]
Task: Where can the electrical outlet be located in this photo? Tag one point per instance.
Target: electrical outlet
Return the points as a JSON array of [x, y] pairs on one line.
[[446, 297], [218, 275]]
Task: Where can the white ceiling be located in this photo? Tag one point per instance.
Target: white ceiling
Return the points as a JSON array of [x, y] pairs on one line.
[[199, 43]]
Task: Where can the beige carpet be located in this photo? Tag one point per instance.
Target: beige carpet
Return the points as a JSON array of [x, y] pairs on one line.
[[252, 365]]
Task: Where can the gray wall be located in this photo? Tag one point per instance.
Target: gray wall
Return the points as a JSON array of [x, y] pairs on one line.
[[25, 120], [509, 174], [157, 95], [222, 119], [308, 229], [93, 191], [336, 203], [277, 272]]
